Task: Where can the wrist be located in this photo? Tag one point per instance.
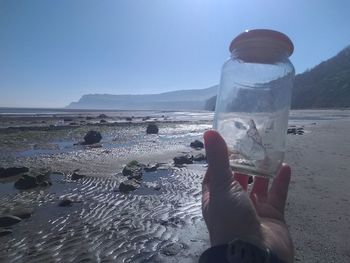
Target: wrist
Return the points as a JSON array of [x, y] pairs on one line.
[[238, 251]]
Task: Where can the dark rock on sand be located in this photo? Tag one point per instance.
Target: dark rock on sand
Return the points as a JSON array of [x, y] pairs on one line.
[[5, 231], [68, 119], [129, 185], [31, 181], [89, 118], [128, 118], [92, 137], [183, 159], [9, 220], [102, 116], [151, 167], [26, 182], [77, 176], [173, 249], [197, 144], [12, 171], [103, 121], [65, 202], [152, 129], [133, 170], [295, 131], [22, 213], [199, 157], [146, 118]]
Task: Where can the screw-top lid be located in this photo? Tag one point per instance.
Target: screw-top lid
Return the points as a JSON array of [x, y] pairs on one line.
[[261, 46]]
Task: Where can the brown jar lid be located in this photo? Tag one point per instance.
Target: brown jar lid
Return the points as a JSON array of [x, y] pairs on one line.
[[261, 45]]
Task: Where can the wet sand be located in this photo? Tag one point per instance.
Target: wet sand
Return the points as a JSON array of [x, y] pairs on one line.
[[164, 223]]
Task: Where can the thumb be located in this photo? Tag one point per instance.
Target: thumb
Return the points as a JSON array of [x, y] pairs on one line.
[[217, 156]]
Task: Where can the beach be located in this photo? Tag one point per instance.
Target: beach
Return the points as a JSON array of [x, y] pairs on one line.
[[161, 220]]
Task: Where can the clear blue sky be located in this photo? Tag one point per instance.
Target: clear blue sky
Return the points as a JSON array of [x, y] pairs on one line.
[[52, 52]]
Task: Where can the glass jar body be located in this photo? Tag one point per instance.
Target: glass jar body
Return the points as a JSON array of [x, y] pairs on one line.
[[251, 113]]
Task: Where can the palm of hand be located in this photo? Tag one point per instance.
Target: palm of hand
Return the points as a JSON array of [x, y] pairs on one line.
[[230, 212]]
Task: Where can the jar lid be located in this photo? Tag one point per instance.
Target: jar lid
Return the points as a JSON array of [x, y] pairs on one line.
[[262, 45]]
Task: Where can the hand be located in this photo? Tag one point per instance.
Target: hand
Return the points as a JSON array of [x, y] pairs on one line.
[[230, 212]]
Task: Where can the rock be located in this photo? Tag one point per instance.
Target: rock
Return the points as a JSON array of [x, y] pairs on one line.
[[68, 119], [151, 167], [199, 157], [89, 118], [152, 129], [26, 182], [291, 131], [92, 137], [73, 124], [157, 187], [76, 176], [31, 181], [22, 213], [102, 116], [146, 118], [12, 171], [173, 249], [9, 220], [133, 170], [197, 144], [65, 202], [129, 185], [183, 159], [128, 118], [103, 121], [5, 231]]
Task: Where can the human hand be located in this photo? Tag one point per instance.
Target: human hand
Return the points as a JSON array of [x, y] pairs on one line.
[[230, 212]]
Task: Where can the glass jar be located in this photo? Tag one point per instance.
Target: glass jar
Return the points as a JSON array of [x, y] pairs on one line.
[[253, 101]]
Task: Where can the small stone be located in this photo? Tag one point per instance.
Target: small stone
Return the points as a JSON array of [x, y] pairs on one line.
[[183, 159], [199, 157], [65, 202], [197, 144], [22, 213], [151, 167], [12, 171], [77, 176], [9, 220], [26, 182], [5, 231], [172, 249], [133, 170], [152, 129], [129, 185], [103, 121], [92, 137], [157, 187], [128, 118], [102, 116], [68, 119]]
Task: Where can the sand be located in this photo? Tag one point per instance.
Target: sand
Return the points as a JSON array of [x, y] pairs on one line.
[[166, 225]]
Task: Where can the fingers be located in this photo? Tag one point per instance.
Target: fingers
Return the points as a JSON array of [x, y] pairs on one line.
[[279, 189], [242, 179], [217, 155], [260, 188], [216, 150]]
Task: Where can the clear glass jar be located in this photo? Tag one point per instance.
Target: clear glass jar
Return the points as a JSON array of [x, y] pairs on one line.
[[253, 101]]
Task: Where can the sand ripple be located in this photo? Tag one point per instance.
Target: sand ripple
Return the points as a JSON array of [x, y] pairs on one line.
[[104, 225]]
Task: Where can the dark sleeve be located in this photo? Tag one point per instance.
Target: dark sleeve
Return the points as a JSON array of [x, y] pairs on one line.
[[238, 252]]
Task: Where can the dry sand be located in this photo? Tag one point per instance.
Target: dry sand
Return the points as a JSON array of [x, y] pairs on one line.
[[318, 211]]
